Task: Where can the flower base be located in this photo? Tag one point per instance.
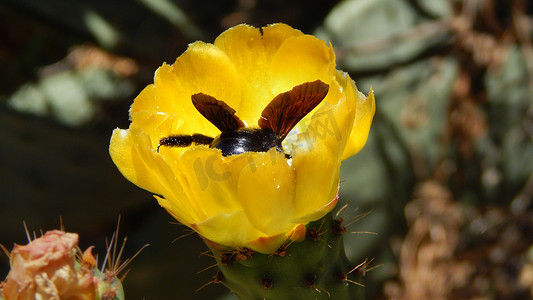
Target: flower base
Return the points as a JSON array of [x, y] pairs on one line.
[[316, 268]]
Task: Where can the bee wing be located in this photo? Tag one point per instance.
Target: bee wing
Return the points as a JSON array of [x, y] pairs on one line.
[[217, 112], [287, 109]]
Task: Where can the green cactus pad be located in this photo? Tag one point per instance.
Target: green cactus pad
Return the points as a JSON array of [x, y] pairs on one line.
[[316, 268]]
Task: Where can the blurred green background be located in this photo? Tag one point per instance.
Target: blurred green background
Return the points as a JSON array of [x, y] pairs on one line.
[[441, 196]]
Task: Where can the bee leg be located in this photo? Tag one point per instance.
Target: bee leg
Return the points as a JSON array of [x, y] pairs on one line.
[[184, 140], [202, 139]]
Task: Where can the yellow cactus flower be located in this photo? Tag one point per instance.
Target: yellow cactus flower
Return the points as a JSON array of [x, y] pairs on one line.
[[252, 199]]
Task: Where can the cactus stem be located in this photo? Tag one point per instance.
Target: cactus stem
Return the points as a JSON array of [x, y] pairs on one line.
[[315, 268]]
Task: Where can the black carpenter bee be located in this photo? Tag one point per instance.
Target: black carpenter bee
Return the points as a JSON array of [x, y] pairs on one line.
[[277, 119]]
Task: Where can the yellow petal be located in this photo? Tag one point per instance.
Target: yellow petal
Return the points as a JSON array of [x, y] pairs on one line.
[[296, 234], [317, 175], [144, 102], [301, 59], [267, 244], [238, 233], [252, 54], [244, 45], [365, 108], [132, 153], [313, 60], [125, 151], [144, 115], [316, 158], [231, 229], [203, 68], [210, 178], [275, 34], [266, 192]]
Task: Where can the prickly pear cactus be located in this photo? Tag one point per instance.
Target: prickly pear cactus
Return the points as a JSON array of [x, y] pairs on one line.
[[53, 267], [316, 268], [108, 287]]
